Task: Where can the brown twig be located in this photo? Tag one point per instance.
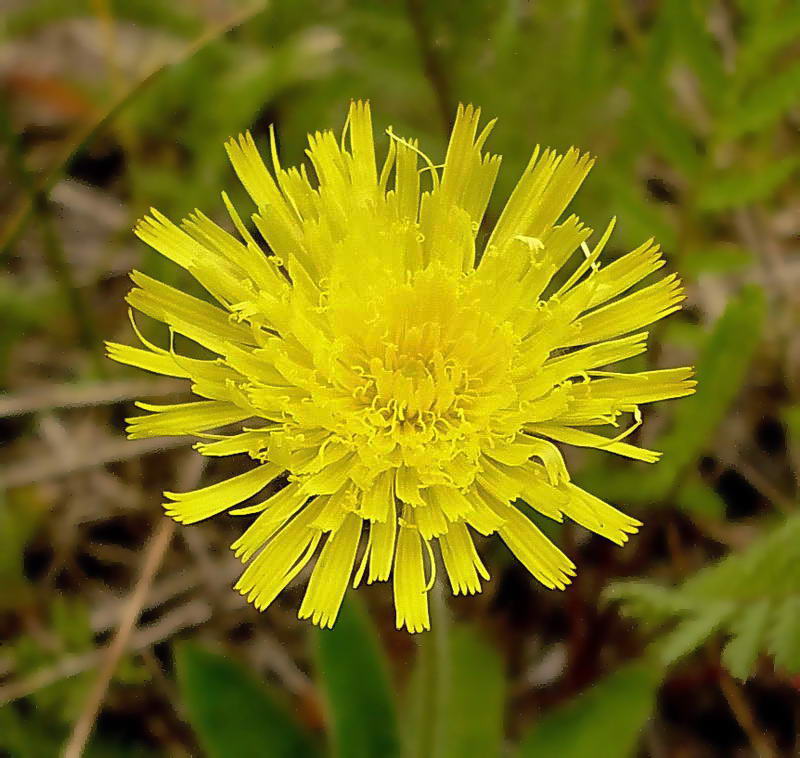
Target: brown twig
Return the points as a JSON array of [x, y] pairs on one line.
[[760, 740], [84, 395], [94, 701], [432, 63], [40, 468], [268, 652], [153, 558], [762, 483], [190, 614]]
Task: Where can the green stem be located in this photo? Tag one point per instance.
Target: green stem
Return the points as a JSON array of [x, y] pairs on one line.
[[432, 685]]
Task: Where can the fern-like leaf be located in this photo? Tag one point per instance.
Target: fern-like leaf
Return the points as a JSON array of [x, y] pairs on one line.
[[752, 597]]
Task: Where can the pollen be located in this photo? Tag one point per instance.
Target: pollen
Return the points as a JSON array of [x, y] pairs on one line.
[[399, 387]]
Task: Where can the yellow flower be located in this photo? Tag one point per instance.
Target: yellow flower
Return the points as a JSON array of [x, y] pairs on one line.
[[403, 385]]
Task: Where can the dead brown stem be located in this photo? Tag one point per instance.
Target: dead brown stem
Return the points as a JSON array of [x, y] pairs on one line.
[[85, 395]]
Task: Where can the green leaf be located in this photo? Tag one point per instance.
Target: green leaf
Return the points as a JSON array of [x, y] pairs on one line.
[[232, 713], [772, 25], [673, 139], [639, 218], [734, 188], [784, 638], [791, 418], [70, 633], [748, 633], [716, 259], [696, 45], [606, 719], [353, 674], [20, 513], [767, 103], [685, 335], [751, 596], [720, 371], [692, 633], [477, 696], [29, 734], [696, 497]]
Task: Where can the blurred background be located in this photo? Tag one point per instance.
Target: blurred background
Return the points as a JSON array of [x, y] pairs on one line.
[[120, 636]]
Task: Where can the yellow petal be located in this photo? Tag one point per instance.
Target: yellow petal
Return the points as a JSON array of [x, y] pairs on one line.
[[410, 594], [329, 579], [190, 507]]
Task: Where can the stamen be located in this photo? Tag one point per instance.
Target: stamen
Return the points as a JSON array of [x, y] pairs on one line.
[[419, 152]]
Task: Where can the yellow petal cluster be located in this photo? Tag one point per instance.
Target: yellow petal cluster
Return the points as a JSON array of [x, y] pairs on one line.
[[399, 385]]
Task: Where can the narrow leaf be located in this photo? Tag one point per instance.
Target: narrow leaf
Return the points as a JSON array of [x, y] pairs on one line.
[[784, 641], [766, 104], [698, 498], [750, 596], [354, 677], [692, 633], [716, 259], [735, 188], [748, 632], [606, 719], [698, 48], [232, 713], [672, 137]]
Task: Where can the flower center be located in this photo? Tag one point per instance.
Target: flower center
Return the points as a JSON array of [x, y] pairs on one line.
[[432, 371]]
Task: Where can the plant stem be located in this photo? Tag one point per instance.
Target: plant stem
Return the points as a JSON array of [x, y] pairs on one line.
[[431, 690], [154, 555], [431, 62], [760, 740]]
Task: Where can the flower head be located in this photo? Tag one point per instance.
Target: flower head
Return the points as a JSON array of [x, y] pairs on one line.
[[400, 386]]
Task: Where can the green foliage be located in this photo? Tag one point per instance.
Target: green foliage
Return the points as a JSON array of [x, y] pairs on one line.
[[696, 47], [773, 25], [235, 80], [25, 735], [232, 713], [38, 729], [353, 674], [752, 597], [737, 187], [716, 259], [20, 513], [69, 623], [672, 138], [605, 720], [791, 418], [698, 498], [721, 369], [766, 104], [33, 733]]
